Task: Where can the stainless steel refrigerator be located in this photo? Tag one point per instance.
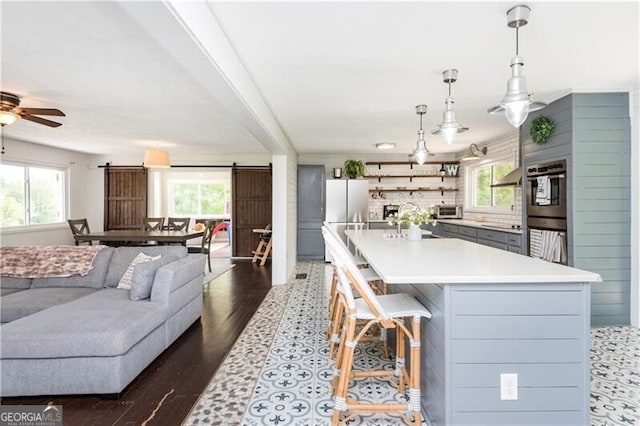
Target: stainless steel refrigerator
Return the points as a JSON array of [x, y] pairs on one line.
[[347, 205]]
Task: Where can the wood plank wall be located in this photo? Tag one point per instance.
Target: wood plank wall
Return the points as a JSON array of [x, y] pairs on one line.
[[125, 197], [593, 134], [602, 201], [479, 331], [251, 194]]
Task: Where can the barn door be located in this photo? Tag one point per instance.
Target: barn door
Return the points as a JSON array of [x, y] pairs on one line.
[[251, 194], [125, 197]]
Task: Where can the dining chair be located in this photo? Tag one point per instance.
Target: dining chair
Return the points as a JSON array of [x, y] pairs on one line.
[[152, 223], [388, 311], [178, 223], [79, 227], [210, 232]]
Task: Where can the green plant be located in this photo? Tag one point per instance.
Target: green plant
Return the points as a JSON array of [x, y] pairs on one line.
[[354, 169], [540, 129], [413, 215]]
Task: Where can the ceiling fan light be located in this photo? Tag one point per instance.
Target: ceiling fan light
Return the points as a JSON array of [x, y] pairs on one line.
[[8, 117], [156, 159]]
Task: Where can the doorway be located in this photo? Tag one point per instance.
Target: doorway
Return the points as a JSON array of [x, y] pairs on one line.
[[199, 194]]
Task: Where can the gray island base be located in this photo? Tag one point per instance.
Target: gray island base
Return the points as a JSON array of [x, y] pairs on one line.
[[494, 313]]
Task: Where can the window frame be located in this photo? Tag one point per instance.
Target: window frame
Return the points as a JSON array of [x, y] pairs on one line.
[[64, 202], [470, 185], [199, 182]]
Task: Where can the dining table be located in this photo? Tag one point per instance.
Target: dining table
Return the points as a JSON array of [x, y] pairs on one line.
[[509, 337], [137, 236]]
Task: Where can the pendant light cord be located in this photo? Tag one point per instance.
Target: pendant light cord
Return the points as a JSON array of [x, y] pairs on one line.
[[2, 137], [517, 34]]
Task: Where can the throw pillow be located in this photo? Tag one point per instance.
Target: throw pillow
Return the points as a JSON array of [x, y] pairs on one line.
[[143, 276], [125, 281]]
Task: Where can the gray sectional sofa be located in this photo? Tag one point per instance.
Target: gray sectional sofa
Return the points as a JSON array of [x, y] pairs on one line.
[[82, 335]]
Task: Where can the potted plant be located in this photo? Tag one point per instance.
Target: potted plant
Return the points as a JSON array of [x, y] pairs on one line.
[[413, 216], [354, 169]]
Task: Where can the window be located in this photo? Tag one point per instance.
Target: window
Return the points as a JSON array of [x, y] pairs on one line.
[[482, 195], [199, 198], [31, 195]]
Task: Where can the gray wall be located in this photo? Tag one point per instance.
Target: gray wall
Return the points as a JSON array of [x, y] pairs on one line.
[[593, 134]]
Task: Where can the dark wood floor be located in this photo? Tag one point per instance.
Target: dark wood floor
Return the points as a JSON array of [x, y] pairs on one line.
[[175, 380]]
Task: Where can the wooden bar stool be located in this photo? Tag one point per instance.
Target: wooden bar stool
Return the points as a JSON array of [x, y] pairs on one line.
[[388, 311], [264, 245]]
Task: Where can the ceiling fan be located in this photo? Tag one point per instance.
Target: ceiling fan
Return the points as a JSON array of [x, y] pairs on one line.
[[10, 111]]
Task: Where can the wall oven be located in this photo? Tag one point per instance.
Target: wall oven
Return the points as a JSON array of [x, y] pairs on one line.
[[547, 189], [547, 211]]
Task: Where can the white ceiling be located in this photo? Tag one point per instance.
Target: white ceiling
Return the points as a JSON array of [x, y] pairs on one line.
[[337, 77]]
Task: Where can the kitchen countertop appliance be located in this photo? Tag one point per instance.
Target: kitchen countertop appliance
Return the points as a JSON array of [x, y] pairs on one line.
[[448, 211], [389, 209]]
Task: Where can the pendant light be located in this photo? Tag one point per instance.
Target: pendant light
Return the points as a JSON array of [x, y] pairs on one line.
[[517, 103], [156, 159], [421, 152], [450, 126]]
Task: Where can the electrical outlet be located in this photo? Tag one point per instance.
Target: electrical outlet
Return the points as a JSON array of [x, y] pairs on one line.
[[508, 387]]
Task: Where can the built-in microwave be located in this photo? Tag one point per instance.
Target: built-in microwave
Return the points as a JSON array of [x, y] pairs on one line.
[[444, 211]]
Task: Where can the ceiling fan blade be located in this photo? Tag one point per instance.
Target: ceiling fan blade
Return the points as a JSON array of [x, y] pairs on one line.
[[41, 120], [41, 111]]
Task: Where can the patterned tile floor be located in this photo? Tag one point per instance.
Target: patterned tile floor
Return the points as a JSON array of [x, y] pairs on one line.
[[278, 371]]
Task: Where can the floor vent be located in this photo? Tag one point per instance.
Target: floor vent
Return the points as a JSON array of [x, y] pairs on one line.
[[301, 276]]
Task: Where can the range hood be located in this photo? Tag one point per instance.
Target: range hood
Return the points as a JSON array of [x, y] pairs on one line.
[[513, 178]]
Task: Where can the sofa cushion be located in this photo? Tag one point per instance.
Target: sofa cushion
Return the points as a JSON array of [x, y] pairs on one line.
[[104, 323], [94, 279], [11, 282], [125, 280], [123, 256], [28, 302], [7, 291], [144, 274]]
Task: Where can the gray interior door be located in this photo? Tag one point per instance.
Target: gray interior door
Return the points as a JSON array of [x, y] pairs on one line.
[[311, 196]]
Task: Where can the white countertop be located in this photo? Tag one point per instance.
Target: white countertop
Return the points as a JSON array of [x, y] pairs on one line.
[[471, 223], [451, 260], [481, 225]]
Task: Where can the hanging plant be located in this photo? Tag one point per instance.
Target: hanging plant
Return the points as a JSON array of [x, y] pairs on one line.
[[354, 169], [541, 129]]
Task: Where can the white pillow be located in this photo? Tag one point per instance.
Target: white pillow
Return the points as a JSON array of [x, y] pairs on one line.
[[125, 281]]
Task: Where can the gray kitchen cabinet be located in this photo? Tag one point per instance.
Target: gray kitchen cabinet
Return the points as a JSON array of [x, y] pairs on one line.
[[514, 243], [492, 238], [311, 194], [468, 233], [448, 230], [381, 225]]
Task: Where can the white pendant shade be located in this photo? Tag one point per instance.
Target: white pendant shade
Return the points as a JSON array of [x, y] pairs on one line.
[[517, 103], [156, 158], [450, 126], [420, 154]]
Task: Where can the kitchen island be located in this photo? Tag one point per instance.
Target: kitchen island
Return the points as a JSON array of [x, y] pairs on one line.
[[494, 312]]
